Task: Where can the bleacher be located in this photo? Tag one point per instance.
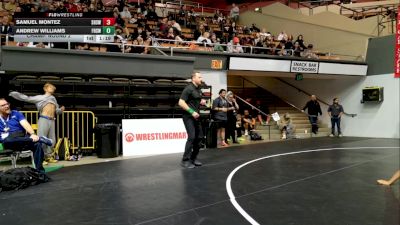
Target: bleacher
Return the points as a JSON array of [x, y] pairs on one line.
[[110, 98]]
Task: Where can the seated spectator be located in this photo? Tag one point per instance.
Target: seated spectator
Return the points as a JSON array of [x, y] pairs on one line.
[[136, 48], [38, 45], [248, 122], [297, 49], [216, 43], [301, 42], [204, 39], [289, 43], [176, 27], [280, 49], [5, 28], [14, 129], [10, 6], [197, 33], [234, 46], [282, 36], [125, 14], [151, 14], [308, 53], [259, 115], [286, 126], [44, 6]]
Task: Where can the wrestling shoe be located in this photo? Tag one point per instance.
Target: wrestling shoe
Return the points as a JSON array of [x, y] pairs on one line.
[[196, 162], [187, 164]]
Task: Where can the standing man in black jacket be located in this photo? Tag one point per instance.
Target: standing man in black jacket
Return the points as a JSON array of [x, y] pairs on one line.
[[313, 110]]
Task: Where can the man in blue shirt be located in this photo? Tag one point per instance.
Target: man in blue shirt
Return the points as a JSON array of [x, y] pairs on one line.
[[18, 134]]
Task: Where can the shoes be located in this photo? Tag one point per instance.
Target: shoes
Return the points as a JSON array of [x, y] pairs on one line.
[[46, 141], [196, 162], [224, 144], [51, 160], [246, 133], [45, 163], [187, 164], [340, 135], [331, 135], [235, 142]]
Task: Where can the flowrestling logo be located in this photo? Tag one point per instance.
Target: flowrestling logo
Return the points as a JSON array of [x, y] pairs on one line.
[[131, 137]]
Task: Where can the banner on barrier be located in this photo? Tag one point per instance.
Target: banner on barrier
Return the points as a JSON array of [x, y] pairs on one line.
[[152, 136]]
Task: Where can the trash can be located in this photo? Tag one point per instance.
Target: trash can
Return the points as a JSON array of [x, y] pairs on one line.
[[211, 134], [108, 139]]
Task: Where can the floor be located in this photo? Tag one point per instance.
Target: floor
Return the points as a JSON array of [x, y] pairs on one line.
[[321, 181]]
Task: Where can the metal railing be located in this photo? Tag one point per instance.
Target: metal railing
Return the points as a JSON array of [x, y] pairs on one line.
[[201, 46], [309, 94], [210, 47], [78, 126]]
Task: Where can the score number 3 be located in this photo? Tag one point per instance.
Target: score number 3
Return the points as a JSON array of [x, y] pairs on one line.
[[108, 21]]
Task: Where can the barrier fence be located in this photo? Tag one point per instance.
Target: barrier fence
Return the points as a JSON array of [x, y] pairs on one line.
[[77, 126]]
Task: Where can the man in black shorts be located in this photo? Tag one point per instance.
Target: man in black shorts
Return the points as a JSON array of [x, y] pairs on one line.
[[190, 101]]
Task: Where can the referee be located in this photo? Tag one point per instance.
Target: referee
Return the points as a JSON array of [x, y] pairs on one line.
[[190, 101]]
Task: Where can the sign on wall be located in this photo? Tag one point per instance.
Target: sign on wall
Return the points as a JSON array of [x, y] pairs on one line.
[[152, 136], [397, 47], [216, 64], [304, 67]]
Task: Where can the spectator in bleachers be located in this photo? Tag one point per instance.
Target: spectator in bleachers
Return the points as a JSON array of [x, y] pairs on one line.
[[61, 8], [126, 14], [234, 46], [172, 35], [301, 42], [282, 36], [100, 7], [260, 117], [135, 49], [204, 39], [289, 42], [176, 27], [297, 49], [151, 14], [197, 33], [38, 45], [71, 6], [216, 43], [5, 28], [163, 25], [10, 6], [280, 48], [309, 52], [234, 13], [43, 6]]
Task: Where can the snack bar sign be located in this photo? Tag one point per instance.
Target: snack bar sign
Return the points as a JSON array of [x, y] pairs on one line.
[[304, 67]]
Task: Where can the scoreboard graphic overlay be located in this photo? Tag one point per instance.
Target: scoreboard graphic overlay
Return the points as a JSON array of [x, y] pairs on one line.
[[64, 27]]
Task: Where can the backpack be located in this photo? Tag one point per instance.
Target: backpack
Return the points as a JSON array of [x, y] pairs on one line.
[[62, 149], [254, 136], [20, 178]]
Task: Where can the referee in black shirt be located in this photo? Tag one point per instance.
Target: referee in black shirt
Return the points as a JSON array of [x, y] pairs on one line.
[[190, 101]]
